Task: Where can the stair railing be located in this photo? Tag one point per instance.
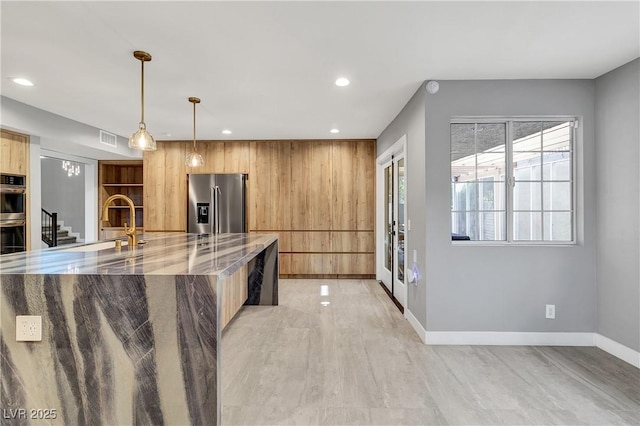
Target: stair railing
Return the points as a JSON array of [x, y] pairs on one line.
[[50, 228]]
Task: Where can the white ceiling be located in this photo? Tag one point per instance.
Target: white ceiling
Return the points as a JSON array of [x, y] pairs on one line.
[[266, 70]]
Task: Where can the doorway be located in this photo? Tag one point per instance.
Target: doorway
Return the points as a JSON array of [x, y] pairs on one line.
[[391, 221]]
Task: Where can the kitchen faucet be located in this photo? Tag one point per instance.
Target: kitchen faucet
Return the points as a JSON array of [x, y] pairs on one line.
[[130, 232]]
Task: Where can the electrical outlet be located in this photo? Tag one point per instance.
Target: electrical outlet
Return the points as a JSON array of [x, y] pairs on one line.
[[28, 328], [551, 312]]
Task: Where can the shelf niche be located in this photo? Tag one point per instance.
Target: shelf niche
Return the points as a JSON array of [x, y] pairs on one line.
[[126, 178]]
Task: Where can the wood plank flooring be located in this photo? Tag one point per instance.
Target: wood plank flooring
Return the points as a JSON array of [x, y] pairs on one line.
[[343, 355]]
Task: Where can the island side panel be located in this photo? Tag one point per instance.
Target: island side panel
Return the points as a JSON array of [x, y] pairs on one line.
[[130, 349], [263, 277]]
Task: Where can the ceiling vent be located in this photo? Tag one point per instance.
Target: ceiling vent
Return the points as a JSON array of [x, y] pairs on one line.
[[108, 138]]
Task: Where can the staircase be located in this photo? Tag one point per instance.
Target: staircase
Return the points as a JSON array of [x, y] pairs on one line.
[[63, 235], [53, 234]]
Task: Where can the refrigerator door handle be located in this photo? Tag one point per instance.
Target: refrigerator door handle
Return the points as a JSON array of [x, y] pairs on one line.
[[213, 209], [216, 204]]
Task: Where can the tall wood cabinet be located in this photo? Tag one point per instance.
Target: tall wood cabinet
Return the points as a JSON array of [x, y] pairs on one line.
[[126, 178]]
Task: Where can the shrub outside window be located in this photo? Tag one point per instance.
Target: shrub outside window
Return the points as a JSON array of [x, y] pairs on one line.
[[512, 180]]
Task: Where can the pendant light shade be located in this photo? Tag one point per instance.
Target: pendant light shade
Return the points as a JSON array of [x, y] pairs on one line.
[[142, 139], [194, 159]]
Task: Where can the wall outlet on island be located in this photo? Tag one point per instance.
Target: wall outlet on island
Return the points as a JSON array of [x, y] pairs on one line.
[[551, 312], [28, 328]]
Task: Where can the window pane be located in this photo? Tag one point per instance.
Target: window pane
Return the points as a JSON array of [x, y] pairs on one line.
[[491, 195], [527, 226], [491, 137], [465, 223], [463, 169], [558, 226], [491, 165], [523, 173], [462, 140], [527, 136], [556, 136], [557, 165], [465, 196], [526, 196], [492, 226], [557, 196]]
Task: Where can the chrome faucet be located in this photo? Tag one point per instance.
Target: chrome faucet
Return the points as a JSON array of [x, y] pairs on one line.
[[130, 232]]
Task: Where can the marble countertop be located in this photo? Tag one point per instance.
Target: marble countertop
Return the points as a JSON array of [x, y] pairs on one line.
[[165, 253]]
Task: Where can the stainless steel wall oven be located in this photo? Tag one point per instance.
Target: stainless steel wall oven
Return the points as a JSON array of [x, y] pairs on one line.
[[13, 205]]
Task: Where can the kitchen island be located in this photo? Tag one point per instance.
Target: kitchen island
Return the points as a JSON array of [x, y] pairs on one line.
[[129, 335]]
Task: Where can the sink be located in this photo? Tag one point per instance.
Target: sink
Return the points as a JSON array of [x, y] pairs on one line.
[[96, 247]]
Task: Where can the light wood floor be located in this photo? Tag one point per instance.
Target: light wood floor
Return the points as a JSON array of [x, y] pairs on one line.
[[355, 360]]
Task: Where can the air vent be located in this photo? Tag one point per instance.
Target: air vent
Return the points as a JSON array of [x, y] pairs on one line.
[[108, 138]]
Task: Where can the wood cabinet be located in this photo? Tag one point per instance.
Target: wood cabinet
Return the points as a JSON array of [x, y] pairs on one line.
[[318, 195], [270, 185], [311, 197], [15, 153], [126, 178]]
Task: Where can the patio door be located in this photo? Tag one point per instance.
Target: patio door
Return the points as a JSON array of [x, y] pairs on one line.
[[391, 225]]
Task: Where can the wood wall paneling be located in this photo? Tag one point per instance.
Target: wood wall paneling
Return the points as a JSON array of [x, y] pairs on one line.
[[344, 180], [310, 242], [365, 188], [294, 187], [285, 263], [236, 157], [353, 242], [270, 186], [353, 263], [311, 200], [310, 263]]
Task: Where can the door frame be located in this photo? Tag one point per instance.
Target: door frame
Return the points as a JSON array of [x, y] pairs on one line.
[[398, 148]]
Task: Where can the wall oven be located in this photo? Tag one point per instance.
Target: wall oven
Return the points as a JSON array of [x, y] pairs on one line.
[[13, 203]]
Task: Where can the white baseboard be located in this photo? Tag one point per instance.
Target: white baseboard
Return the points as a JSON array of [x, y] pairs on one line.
[[618, 350], [525, 339], [508, 338], [422, 333]]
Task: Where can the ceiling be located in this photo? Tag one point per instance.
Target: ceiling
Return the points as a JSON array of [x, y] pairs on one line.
[[266, 70]]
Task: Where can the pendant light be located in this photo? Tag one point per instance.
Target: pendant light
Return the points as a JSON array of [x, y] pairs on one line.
[[193, 158], [142, 139]]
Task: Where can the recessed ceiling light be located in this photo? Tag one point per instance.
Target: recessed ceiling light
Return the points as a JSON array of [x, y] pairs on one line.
[[22, 82], [342, 82], [334, 131], [226, 131]]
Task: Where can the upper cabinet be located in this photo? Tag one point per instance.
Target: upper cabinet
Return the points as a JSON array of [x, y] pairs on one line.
[[15, 153]]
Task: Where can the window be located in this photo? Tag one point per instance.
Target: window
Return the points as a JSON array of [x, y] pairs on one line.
[[512, 180]]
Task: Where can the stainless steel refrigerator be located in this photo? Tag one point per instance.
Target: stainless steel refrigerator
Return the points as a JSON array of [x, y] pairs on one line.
[[216, 203]]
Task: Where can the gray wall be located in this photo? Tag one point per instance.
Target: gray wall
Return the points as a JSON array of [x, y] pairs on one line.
[[63, 194], [505, 288], [410, 121], [61, 134], [618, 210], [499, 288]]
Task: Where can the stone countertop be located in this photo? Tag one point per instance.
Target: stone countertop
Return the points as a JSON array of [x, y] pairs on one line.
[[165, 253]]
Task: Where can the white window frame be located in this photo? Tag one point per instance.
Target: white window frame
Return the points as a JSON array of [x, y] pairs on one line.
[[509, 179]]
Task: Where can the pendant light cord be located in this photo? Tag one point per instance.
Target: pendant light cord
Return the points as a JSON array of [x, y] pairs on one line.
[[194, 127], [142, 94]]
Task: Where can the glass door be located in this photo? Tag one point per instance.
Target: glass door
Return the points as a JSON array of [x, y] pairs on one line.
[[393, 270], [399, 285]]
